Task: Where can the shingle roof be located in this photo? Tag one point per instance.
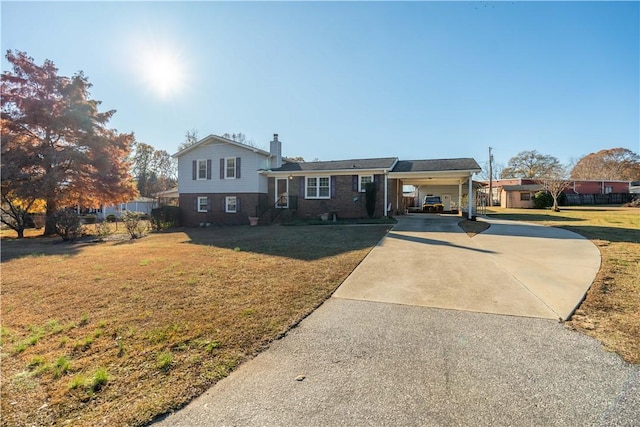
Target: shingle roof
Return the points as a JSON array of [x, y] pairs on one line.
[[436, 165], [333, 165]]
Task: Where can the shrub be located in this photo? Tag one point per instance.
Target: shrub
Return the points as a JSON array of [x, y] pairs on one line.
[[111, 218], [165, 217], [89, 218], [133, 223], [370, 198], [542, 200], [68, 224], [103, 230]]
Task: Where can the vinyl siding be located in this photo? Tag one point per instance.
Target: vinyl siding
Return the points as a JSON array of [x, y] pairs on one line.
[[250, 180]]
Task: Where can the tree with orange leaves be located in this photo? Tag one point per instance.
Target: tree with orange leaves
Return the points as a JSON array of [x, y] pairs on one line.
[[56, 145]]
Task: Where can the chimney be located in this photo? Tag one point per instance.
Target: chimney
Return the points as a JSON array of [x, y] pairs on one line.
[[276, 152]]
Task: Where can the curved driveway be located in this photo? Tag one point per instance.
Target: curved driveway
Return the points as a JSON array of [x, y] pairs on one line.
[[361, 360], [512, 268]]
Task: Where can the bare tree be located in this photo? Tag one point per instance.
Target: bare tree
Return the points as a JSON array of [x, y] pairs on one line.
[[555, 181], [529, 164], [190, 138]]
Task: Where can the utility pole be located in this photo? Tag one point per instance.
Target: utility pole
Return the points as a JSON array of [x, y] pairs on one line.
[[490, 178]]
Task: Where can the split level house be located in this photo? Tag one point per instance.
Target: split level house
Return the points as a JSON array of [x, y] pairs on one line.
[[221, 181]]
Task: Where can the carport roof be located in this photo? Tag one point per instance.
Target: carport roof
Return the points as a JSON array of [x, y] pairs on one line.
[[437, 165]]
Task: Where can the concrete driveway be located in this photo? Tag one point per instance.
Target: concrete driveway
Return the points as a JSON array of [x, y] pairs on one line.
[[390, 358], [512, 268]]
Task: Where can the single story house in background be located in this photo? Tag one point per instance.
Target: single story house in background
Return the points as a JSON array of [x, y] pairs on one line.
[[519, 192], [225, 182], [140, 204]]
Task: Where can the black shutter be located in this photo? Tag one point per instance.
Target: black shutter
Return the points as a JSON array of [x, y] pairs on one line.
[[221, 168], [237, 167], [354, 183], [300, 187], [195, 203], [332, 183], [238, 204], [208, 168], [194, 170], [208, 204], [224, 204], [376, 179]]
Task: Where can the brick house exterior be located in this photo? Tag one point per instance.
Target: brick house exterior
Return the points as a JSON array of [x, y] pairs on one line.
[[221, 181]]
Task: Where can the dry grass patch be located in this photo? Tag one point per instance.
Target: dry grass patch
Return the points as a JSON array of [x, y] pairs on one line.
[[118, 332], [610, 311]]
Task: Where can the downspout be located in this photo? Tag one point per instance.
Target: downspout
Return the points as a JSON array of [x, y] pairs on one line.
[[470, 214]]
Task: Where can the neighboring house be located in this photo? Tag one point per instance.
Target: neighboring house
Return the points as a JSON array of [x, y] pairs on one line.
[[168, 197], [518, 196], [141, 204], [224, 182], [519, 192]]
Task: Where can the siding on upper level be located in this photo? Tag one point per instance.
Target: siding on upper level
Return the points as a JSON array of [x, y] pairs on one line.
[[249, 182]]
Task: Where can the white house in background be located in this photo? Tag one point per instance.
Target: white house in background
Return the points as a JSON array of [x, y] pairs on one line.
[[141, 204]]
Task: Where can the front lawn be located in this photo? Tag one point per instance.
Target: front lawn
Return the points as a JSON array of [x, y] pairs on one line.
[[611, 309], [116, 333]]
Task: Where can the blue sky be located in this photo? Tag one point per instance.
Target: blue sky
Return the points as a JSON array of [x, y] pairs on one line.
[[337, 80]]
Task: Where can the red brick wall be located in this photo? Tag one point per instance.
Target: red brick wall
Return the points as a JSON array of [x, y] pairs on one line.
[[190, 217], [346, 202]]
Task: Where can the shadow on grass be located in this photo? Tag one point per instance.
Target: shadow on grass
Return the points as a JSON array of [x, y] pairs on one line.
[[37, 247], [611, 234], [592, 232], [300, 242], [534, 217]]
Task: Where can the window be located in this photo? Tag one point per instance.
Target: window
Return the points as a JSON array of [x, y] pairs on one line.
[[230, 168], [318, 187], [231, 204], [608, 189], [202, 169], [364, 179], [203, 204], [525, 196]]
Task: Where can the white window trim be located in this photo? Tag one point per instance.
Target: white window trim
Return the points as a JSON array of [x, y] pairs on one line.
[[206, 204], [317, 187], [226, 168], [198, 178], [226, 204], [361, 188]]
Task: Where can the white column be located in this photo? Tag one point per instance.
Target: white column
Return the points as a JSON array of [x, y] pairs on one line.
[[386, 196], [460, 197], [470, 214]]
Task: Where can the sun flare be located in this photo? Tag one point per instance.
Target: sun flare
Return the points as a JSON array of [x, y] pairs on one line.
[[163, 72]]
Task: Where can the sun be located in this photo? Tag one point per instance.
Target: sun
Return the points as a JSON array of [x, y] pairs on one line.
[[163, 72]]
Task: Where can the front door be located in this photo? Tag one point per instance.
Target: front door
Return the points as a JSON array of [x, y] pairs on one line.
[[282, 193], [446, 201]]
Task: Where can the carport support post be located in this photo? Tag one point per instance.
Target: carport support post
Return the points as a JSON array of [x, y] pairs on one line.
[[386, 196], [470, 214]]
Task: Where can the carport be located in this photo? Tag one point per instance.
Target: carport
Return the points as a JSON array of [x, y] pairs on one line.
[[444, 176]]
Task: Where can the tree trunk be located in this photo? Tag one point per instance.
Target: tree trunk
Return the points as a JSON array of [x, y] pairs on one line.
[[50, 222], [20, 231]]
